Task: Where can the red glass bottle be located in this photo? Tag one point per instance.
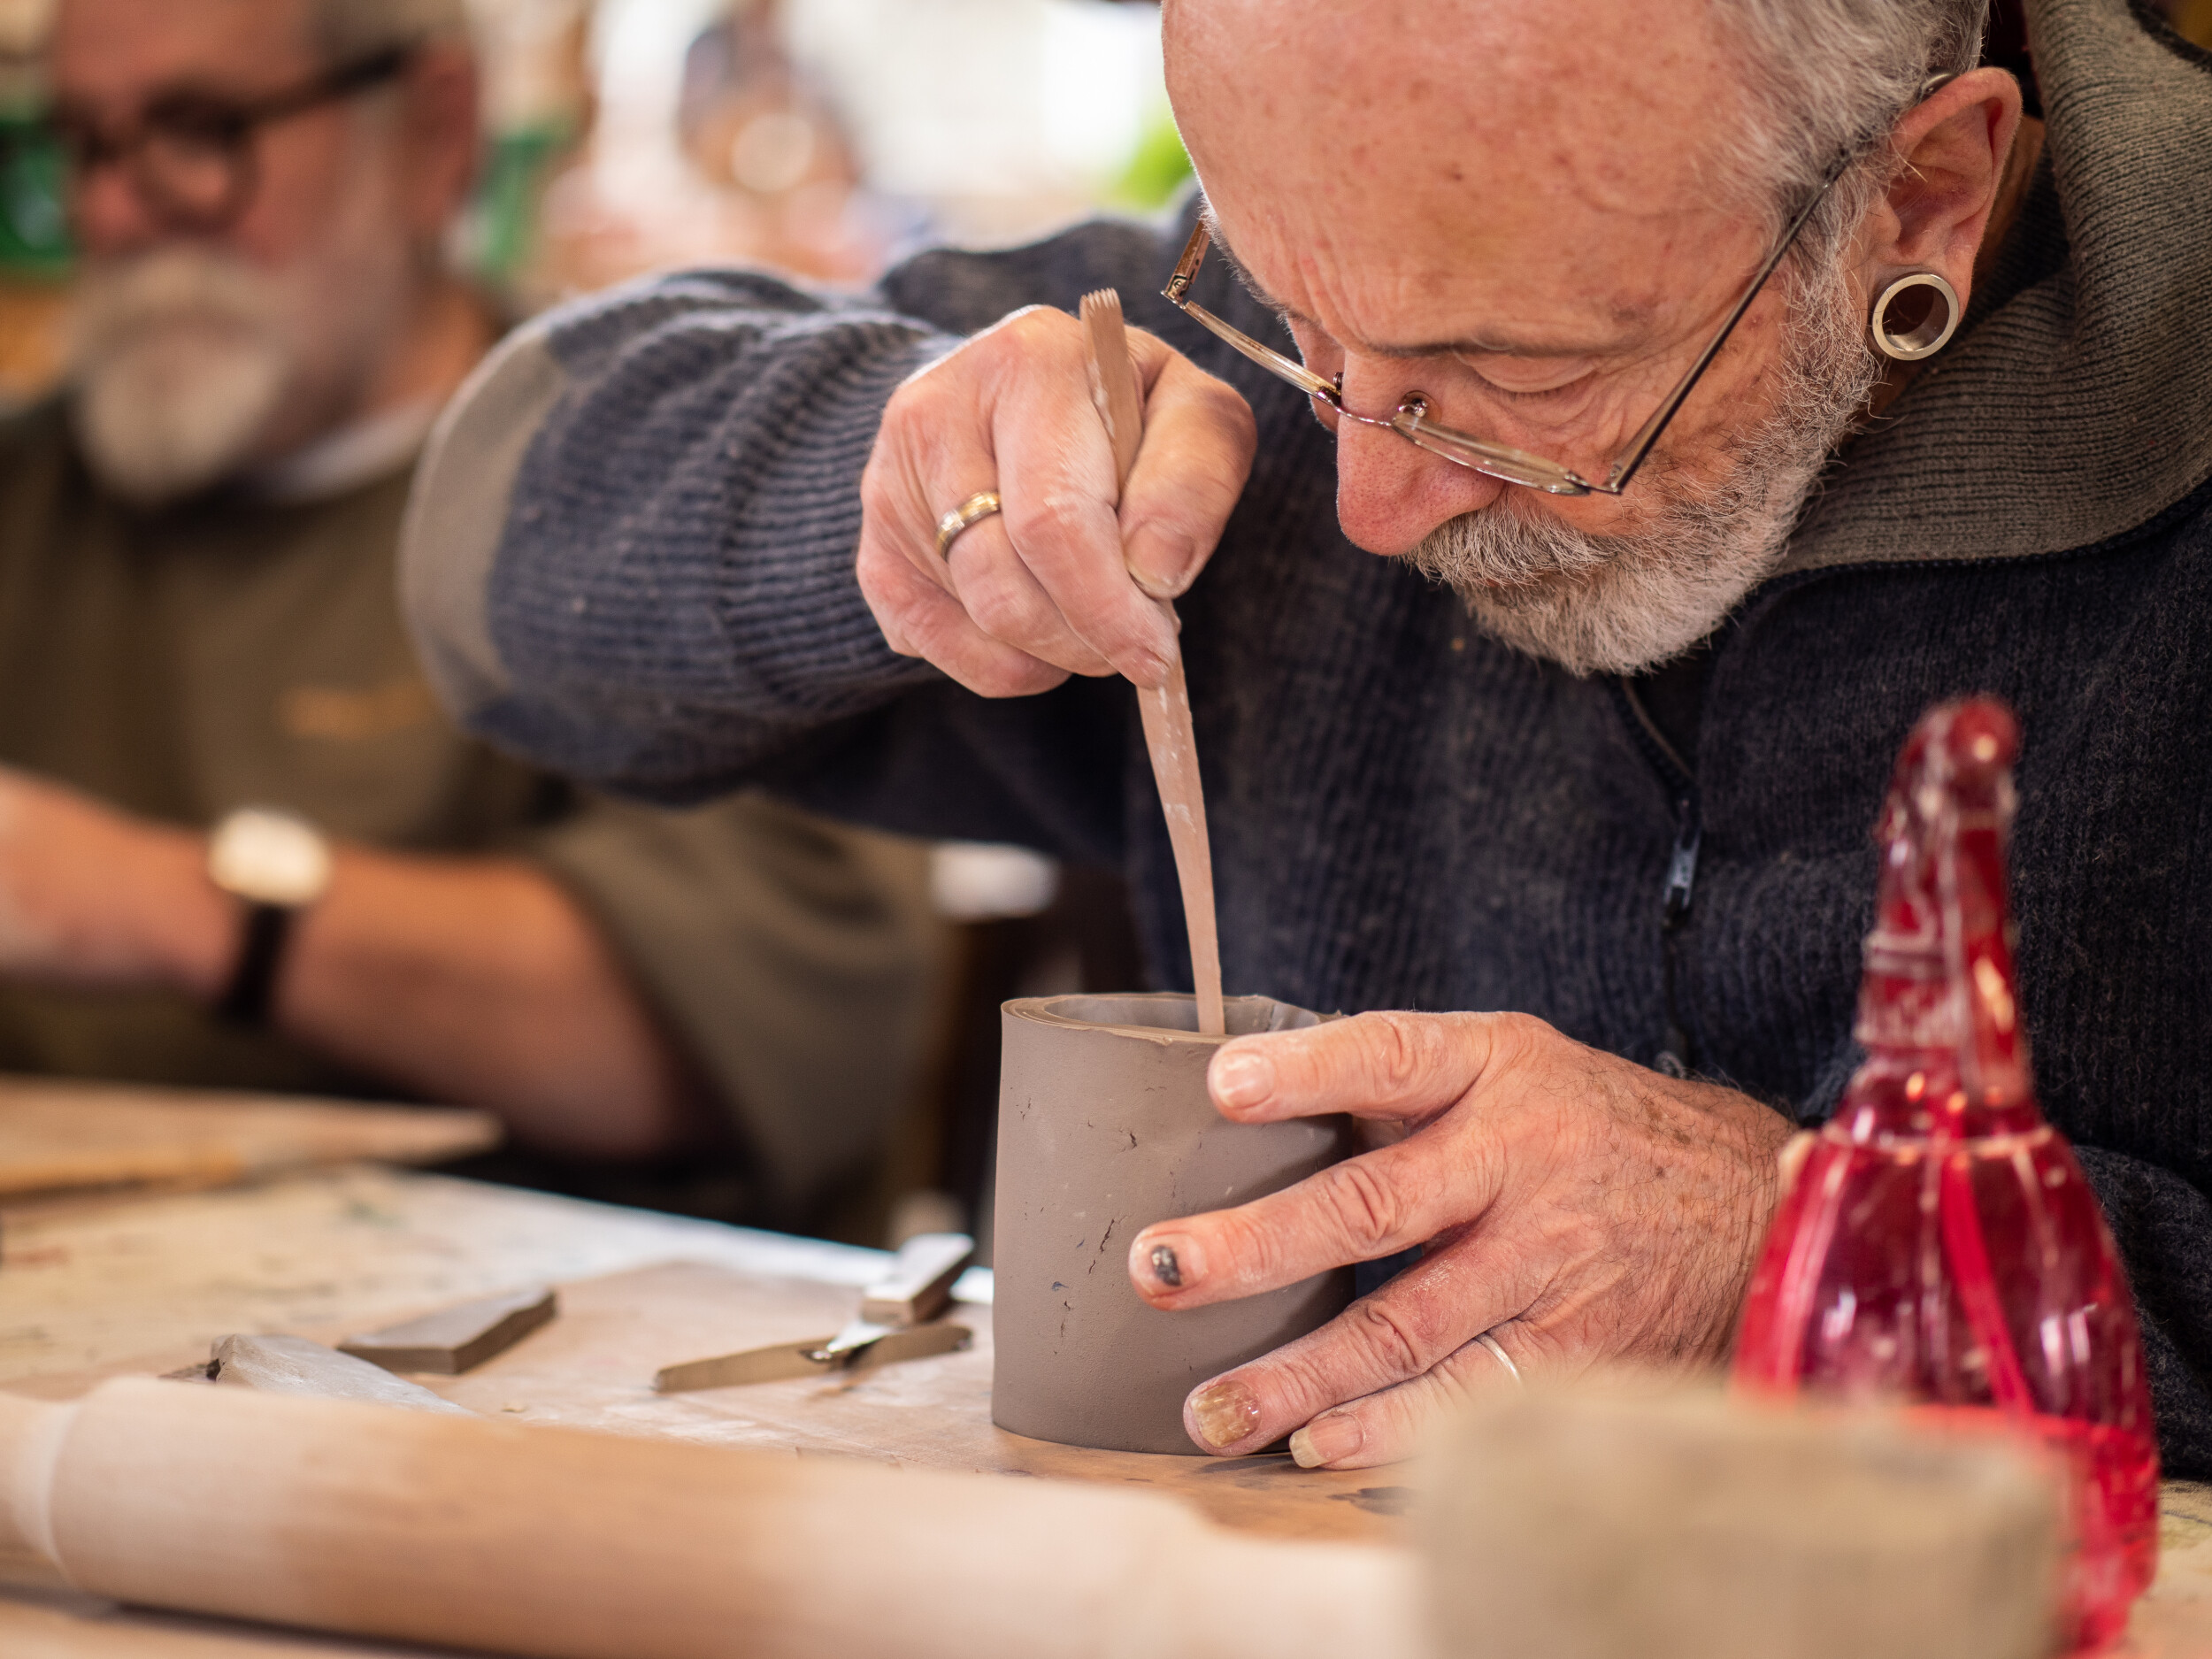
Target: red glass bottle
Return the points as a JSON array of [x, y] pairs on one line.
[[1938, 1244]]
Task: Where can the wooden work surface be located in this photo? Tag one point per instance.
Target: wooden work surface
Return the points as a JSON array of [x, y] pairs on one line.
[[62, 1135], [142, 1286]]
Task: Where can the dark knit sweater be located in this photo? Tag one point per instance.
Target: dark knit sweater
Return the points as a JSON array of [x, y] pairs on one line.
[[632, 559]]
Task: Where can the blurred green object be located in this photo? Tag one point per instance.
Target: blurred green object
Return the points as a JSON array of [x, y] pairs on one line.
[[518, 165], [34, 225], [1159, 170]]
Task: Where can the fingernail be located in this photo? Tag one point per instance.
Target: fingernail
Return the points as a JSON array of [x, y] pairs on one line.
[[1325, 1439], [1243, 1078], [1225, 1412], [1153, 587], [1162, 566], [1165, 1267]]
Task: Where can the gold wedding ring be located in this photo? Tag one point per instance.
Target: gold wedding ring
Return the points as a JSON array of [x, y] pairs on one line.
[[969, 512]]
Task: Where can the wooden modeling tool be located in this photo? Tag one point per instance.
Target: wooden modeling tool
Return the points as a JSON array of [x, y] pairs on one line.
[[457, 1339], [895, 1323], [1166, 710], [293, 1365]]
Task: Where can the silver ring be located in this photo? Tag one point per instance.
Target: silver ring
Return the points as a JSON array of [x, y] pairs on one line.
[[969, 512], [1503, 1358]]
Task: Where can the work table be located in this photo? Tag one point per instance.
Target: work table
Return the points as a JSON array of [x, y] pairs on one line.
[[124, 1286]]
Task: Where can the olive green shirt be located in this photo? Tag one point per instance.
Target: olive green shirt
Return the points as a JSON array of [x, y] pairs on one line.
[[242, 650]]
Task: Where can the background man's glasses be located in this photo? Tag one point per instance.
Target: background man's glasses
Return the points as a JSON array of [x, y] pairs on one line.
[[1409, 420], [189, 156]]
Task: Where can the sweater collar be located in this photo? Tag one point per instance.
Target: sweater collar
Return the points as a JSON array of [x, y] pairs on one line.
[[2078, 403]]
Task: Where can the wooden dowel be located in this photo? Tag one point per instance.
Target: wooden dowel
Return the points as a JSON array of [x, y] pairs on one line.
[[1168, 733], [468, 1532]]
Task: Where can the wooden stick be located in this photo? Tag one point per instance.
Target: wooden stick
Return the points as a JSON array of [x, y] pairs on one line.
[[469, 1532], [1168, 732]]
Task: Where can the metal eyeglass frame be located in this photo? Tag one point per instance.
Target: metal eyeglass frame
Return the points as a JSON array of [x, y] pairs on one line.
[[1410, 419], [225, 126]]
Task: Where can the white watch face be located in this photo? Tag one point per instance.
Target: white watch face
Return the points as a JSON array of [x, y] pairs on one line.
[[269, 858]]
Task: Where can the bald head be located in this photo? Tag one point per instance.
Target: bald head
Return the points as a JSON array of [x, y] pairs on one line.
[[1533, 217], [1415, 174]]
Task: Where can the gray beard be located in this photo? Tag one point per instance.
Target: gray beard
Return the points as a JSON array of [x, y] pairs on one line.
[[191, 363], [1620, 603], [181, 362]]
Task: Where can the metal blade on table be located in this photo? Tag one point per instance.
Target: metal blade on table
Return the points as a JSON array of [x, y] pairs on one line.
[[786, 1360], [894, 1323], [851, 1340]]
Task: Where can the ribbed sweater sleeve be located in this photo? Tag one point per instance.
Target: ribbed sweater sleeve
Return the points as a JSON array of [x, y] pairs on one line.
[[630, 555], [2163, 1227]]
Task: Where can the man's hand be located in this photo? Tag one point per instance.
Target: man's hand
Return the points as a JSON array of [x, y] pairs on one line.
[[1576, 1207], [477, 980], [1044, 589], [92, 899]]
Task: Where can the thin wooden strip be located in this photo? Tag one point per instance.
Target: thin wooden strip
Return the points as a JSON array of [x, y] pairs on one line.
[[1168, 733]]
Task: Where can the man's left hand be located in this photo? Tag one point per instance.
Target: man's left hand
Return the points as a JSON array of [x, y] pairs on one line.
[[92, 899], [1576, 1207]]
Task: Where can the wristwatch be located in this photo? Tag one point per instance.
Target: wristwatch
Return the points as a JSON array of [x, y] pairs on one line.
[[279, 863]]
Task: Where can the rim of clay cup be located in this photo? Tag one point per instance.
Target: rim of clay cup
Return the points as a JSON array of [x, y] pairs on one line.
[[1049, 1010]]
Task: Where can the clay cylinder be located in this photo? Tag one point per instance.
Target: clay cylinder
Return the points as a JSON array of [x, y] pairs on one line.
[[1105, 1127]]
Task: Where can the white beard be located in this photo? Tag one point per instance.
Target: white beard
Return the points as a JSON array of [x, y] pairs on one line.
[[181, 363], [190, 363], [1622, 603]]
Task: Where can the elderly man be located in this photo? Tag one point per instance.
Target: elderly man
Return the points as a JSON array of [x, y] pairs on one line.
[[198, 614], [1588, 298]]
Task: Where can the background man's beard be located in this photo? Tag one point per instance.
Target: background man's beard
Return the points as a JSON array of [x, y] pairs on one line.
[[1619, 603], [181, 363], [191, 365]]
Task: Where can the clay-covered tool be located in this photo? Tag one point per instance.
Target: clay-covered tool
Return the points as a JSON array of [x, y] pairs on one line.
[[293, 1365], [1168, 733], [457, 1339]]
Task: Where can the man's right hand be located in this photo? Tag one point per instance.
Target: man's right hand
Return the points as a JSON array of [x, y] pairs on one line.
[[1043, 589]]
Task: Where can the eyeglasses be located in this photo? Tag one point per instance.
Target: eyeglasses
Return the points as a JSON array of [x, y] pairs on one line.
[[189, 156], [1410, 419]]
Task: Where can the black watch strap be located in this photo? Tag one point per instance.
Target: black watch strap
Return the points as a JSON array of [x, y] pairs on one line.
[[247, 999]]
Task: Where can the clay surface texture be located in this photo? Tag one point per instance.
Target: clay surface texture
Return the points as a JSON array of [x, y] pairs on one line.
[[1104, 1128]]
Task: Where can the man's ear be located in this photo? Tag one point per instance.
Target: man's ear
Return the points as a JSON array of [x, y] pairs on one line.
[[1954, 145], [442, 141]]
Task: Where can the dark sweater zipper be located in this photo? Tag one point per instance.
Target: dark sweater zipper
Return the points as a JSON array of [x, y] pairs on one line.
[[1680, 889]]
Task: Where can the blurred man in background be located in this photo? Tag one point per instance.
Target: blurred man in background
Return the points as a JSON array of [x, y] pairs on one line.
[[198, 623]]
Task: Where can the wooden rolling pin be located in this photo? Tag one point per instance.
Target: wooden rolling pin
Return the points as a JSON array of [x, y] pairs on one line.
[[551, 1542]]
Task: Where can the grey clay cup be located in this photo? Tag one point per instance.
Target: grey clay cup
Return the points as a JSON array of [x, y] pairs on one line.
[[1104, 1128]]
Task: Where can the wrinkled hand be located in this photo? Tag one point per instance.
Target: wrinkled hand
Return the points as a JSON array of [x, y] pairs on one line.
[[1044, 589], [92, 899], [1575, 1206]]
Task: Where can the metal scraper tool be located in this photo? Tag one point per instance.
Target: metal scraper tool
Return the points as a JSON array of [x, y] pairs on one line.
[[918, 1289], [898, 1320]]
